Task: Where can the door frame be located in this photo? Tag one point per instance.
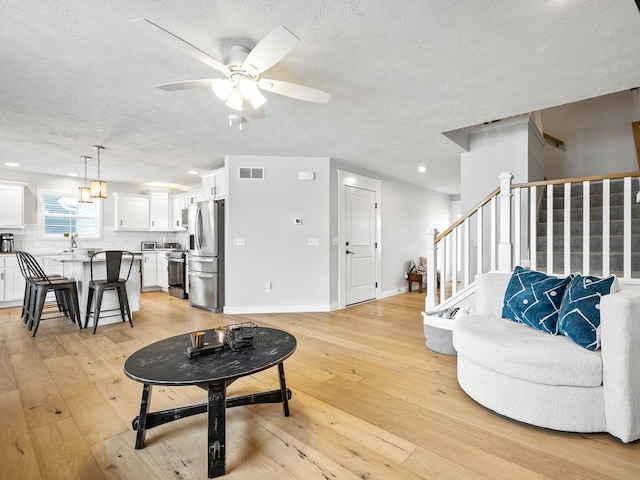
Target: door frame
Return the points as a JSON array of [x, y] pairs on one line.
[[350, 179]]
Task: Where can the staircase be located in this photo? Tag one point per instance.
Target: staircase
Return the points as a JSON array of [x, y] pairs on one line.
[[576, 246]]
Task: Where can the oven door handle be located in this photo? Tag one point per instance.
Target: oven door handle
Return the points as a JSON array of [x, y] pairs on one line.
[[176, 260]]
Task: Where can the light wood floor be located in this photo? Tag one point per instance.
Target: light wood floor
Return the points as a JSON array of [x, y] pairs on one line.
[[370, 401]]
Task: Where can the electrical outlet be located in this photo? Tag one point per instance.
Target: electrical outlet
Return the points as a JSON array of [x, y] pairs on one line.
[[297, 221], [314, 241], [238, 242]]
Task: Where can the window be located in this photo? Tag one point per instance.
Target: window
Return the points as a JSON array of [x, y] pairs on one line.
[[60, 213]]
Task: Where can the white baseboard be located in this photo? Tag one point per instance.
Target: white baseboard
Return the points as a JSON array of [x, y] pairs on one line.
[[391, 293], [231, 310]]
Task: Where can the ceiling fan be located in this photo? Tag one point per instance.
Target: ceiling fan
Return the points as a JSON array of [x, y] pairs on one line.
[[241, 89]]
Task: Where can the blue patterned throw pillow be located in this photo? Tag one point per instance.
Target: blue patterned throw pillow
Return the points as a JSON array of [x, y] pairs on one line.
[[534, 298], [579, 317]]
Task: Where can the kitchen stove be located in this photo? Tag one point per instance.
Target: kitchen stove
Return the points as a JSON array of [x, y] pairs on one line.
[[177, 273]]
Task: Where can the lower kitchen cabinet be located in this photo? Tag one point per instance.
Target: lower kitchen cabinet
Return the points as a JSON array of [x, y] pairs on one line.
[[2, 280], [12, 282], [155, 273], [163, 272], [150, 270]]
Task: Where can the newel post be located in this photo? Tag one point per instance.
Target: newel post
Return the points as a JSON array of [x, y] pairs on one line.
[[432, 269], [505, 246]]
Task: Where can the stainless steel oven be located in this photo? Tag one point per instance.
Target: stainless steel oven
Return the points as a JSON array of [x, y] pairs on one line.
[[177, 275]]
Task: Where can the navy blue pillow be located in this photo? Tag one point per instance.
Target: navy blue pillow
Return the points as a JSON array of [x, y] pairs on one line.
[[534, 298], [579, 317]]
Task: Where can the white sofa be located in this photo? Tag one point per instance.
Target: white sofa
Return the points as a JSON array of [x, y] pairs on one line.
[[548, 380]]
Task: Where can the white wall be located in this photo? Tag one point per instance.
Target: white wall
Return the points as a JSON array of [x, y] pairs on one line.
[[496, 148], [277, 250], [597, 135]]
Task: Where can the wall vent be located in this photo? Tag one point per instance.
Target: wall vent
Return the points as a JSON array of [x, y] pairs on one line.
[[251, 173]]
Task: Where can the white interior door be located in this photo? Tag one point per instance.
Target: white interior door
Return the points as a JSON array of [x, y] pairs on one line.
[[360, 245]]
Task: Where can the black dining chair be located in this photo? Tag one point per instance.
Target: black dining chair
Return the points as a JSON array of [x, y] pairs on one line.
[[117, 262], [39, 284]]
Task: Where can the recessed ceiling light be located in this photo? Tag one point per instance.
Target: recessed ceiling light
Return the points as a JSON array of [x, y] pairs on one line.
[[12, 164], [193, 172], [422, 169]]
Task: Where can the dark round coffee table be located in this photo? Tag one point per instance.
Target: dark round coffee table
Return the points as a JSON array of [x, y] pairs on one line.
[[166, 363]]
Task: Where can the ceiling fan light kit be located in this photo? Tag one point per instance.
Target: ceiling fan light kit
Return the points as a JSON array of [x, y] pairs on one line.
[[240, 90]]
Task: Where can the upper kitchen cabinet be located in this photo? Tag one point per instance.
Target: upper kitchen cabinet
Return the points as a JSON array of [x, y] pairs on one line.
[[12, 201], [131, 211], [159, 210], [178, 204], [193, 196], [213, 185]]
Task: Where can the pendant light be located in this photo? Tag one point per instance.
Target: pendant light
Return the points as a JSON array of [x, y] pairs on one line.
[[84, 192], [98, 187]]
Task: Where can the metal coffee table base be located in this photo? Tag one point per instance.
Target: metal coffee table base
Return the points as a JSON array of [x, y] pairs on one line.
[[216, 405]]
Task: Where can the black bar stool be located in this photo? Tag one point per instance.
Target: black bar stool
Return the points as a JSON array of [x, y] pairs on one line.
[[27, 284], [117, 262], [39, 284]]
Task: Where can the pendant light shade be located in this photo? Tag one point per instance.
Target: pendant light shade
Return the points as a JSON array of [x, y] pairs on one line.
[[84, 192], [98, 187]]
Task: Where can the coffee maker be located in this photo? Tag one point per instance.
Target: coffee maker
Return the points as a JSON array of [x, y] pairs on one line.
[[6, 242]]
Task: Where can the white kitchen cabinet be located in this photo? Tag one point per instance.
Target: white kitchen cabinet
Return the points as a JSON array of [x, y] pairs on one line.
[[131, 211], [2, 279], [12, 202], [178, 203], [193, 196], [213, 185], [159, 210], [12, 282], [163, 272], [150, 270]]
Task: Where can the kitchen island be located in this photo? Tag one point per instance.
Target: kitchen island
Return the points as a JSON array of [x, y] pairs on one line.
[[77, 266]]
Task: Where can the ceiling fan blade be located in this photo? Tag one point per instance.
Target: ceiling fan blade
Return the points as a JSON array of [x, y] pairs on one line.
[[270, 50], [294, 90], [203, 83], [182, 45]]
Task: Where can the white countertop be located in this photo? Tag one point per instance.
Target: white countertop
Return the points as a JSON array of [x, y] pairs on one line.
[[81, 257]]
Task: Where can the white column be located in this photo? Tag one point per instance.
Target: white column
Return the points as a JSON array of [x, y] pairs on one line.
[[505, 247], [432, 275]]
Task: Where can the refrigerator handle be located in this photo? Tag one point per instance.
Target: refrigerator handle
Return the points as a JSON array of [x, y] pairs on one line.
[[198, 229]]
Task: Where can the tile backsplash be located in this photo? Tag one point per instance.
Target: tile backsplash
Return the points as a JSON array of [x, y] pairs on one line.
[[27, 239]]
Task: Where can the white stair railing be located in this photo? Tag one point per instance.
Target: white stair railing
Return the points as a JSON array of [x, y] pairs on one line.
[[503, 230]]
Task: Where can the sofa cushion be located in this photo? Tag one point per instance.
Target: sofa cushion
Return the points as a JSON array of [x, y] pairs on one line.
[[534, 298], [520, 351], [579, 317]]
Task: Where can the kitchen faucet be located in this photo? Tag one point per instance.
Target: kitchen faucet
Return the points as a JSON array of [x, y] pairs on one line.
[[74, 244]]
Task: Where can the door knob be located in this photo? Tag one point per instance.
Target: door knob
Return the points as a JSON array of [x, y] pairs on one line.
[[349, 252]]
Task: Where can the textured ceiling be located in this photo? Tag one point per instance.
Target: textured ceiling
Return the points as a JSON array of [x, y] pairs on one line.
[[74, 73]]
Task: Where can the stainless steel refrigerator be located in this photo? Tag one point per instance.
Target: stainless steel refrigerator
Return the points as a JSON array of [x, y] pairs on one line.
[[206, 254]]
